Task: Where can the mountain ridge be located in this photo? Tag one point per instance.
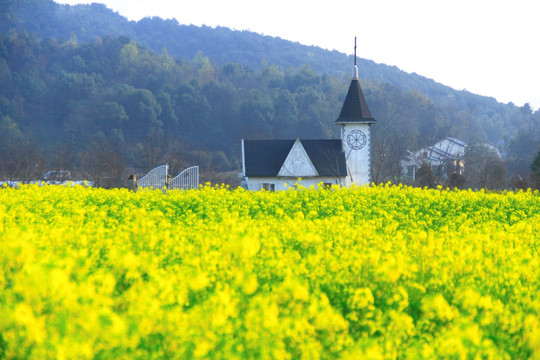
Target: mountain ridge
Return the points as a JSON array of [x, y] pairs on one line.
[[219, 44]]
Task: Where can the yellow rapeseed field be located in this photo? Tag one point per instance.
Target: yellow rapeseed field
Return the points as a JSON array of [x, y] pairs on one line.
[[380, 272]]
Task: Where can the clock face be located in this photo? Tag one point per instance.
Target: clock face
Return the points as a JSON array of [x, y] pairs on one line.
[[356, 139]]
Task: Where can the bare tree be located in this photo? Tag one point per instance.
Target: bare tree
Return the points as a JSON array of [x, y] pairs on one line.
[[484, 167], [103, 166], [63, 157], [21, 161], [331, 165], [425, 176], [535, 169], [151, 152], [176, 157]]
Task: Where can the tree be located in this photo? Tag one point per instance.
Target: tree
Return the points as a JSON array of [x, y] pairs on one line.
[[103, 166], [62, 157], [425, 177], [484, 168], [21, 160], [520, 156], [396, 129], [257, 114], [142, 110], [535, 167], [286, 115], [150, 151], [204, 68], [5, 78], [192, 110], [456, 180], [110, 115]]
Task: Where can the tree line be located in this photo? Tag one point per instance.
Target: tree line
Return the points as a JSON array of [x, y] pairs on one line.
[[109, 107]]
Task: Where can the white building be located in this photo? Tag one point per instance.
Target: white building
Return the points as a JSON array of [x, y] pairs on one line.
[[449, 152], [445, 157], [269, 164]]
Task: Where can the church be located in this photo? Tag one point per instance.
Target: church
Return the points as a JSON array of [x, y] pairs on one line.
[[275, 165]]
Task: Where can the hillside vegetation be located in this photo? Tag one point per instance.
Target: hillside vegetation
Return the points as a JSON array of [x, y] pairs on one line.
[[81, 81]]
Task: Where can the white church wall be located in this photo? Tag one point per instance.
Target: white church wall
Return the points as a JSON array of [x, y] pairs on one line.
[[297, 164], [280, 184]]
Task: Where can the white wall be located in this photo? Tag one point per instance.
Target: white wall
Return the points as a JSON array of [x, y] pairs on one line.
[[256, 184], [358, 160]]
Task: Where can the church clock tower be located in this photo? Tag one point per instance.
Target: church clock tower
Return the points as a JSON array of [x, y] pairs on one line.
[[355, 122]]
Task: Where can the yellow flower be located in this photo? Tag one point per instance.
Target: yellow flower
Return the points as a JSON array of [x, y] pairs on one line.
[[250, 284], [380, 271]]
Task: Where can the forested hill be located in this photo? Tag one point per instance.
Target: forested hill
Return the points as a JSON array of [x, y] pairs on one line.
[[82, 83], [48, 19]]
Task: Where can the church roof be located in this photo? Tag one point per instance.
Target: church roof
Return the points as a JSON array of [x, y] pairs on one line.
[[327, 156], [355, 108], [264, 158]]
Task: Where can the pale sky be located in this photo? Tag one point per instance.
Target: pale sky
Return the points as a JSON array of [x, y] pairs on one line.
[[488, 47]]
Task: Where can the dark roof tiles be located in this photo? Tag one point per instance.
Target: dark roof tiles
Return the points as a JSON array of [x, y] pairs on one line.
[[264, 158], [327, 156], [355, 108]]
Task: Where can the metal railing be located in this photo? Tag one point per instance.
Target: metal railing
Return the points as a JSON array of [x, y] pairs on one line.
[[186, 180], [156, 178]]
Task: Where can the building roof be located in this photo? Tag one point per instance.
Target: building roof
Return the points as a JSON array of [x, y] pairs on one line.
[[355, 108], [457, 141], [327, 156], [264, 158]]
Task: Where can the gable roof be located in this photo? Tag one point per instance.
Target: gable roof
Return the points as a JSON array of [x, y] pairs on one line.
[[298, 163], [355, 109], [327, 156], [264, 158]]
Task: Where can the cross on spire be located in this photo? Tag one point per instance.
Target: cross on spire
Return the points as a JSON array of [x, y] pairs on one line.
[[355, 76], [355, 51], [355, 109]]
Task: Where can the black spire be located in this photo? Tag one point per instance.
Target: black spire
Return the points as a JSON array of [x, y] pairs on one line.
[[355, 109]]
